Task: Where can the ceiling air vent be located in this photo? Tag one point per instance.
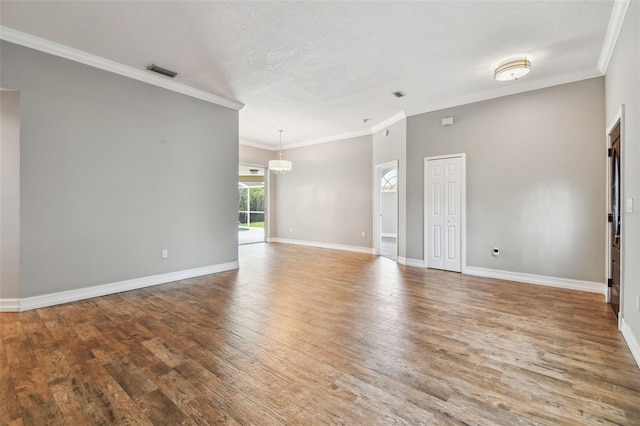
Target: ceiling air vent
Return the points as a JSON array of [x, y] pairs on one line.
[[397, 94], [163, 71]]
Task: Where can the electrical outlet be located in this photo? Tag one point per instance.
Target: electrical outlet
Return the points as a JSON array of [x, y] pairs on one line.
[[291, 229], [364, 234], [496, 251], [637, 303], [165, 254]]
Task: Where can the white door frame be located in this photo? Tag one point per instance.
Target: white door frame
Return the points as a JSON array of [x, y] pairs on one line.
[[463, 209], [267, 212], [607, 268], [377, 188]]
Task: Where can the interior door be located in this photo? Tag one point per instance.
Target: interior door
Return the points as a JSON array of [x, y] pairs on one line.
[[615, 219], [444, 202]]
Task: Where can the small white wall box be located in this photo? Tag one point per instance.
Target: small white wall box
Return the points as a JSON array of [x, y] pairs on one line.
[[447, 121]]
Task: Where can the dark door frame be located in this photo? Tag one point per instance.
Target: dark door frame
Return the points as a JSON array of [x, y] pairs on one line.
[[618, 120]]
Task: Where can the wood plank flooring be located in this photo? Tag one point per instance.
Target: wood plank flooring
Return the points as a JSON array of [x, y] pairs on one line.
[[311, 336]]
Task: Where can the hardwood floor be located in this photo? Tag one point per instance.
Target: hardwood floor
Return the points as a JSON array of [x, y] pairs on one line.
[[311, 336]]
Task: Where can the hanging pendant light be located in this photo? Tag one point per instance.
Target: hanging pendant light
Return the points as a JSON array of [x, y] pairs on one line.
[[280, 166]]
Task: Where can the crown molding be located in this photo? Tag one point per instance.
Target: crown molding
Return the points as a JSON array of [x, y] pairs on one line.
[[519, 87], [47, 46], [307, 142], [616, 19], [388, 122], [385, 123], [258, 145], [333, 138]]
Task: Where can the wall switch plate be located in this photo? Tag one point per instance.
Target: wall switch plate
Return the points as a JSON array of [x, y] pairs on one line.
[[629, 205], [165, 254]]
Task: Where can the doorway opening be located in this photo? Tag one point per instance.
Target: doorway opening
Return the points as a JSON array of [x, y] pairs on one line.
[[251, 204], [615, 223], [386, 215]]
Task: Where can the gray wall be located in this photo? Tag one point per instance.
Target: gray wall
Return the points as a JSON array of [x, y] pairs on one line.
[[9, 194], [256, 156], [113, 171], [328, 196], [535, 179], [623, 87], [390, 148]]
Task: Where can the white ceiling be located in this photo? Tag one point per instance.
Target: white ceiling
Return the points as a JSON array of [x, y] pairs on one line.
[[316, 69]]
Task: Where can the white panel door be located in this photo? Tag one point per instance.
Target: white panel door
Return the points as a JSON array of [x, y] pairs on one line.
[[444, 202], [435, 214]]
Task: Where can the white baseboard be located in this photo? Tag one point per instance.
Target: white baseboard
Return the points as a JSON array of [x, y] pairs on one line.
[[591, 287], [632, 340], [356, 249], [9, 305], [36, 302], [418, 263]]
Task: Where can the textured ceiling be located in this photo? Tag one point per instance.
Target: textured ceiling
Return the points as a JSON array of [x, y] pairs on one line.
[[316, 69]]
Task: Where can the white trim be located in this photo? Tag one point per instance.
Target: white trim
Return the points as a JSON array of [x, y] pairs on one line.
[[417, 263], [616, 19], [9, 305], [333, 138], [35, 302], [588, 286], [258, 145], [463, 209], [82, 57], [385, 123], [388, 235], [388, 122], [631, 339], [521, 87], [291, 145], [332, 246], [377, 224]]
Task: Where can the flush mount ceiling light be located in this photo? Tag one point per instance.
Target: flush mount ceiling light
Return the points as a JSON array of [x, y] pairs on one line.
[[280, 166], [512, 69]]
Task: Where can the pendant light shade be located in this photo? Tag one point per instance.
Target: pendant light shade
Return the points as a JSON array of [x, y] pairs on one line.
[[280, 166], [512, 69]]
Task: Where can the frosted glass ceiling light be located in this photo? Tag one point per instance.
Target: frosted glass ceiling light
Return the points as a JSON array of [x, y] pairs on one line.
[[512, 69], [280, 166]]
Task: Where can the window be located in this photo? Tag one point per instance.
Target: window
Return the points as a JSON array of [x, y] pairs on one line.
[[389, 180]]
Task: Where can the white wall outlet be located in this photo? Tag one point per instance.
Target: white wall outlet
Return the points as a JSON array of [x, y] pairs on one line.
[[637, 303], [364, 234], [291, 229], [496, 251], [165, 254], [629, 205]]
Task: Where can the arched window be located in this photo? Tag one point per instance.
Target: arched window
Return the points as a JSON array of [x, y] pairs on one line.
[[389, 180]]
